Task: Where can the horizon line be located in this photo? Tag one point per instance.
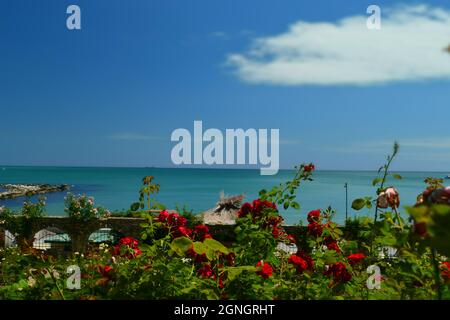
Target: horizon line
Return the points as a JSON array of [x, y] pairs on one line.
[[202, 168]]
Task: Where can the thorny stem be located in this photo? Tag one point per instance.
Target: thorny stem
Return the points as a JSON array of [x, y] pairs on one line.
[[386, 171], [383, 181]]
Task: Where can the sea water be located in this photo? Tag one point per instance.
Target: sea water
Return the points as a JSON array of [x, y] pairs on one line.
[[199, 189]]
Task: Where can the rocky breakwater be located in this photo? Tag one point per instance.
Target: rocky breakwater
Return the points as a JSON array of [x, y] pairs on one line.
[[11, 191]]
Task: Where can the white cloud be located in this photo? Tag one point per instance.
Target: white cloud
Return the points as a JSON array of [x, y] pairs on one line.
[[409, 47]]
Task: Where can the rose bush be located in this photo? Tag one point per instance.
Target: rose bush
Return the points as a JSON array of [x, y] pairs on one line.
[[178, 258]]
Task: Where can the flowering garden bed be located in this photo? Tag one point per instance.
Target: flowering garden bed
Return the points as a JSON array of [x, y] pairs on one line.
[[176, 257]]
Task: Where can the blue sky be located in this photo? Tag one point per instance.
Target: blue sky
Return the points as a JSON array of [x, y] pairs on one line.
[[111, 93]]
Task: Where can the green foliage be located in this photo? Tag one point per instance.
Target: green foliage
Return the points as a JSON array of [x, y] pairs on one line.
[[148, 189], [361, 203], [285, 193], [82, 208]]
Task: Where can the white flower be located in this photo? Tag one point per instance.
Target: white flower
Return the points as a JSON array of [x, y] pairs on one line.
[[31, 281]]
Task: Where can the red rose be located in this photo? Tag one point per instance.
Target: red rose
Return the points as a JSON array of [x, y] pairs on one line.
[[291, 238], [105, 271], [137, 252], [130, 246], [355, 258], [298, 262], [445, 270], [245, 210], [315, 229], [269, 204], [259, 205], [201, 232], [309, 167], [126, 241], [181, 221], [339, 272], [182, 232], [176, 220], [205, 271], [314, 216], [333, 246], [230, 258], [420, 228], [275, 221], [277, 232], [307, 258], [163, 216], [265, 271], [201, 228]]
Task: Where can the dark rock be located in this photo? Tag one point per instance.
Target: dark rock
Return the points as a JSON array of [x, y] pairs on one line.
[[22, 190]]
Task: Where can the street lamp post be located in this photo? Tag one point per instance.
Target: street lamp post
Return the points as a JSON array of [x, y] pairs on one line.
[[346, 201]]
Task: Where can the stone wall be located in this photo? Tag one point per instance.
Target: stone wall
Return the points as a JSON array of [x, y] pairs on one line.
[[80, 231]]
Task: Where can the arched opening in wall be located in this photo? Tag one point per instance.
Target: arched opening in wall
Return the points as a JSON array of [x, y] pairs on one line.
[[9, 239], [104, 235], [52, 239]]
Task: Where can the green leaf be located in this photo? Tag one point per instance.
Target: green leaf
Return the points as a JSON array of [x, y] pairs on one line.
[[358, 204], [216, 246], [181, 245], [234, 272], [135, 206], [330, 257], [295, 205], [200, 248], [397, 176]]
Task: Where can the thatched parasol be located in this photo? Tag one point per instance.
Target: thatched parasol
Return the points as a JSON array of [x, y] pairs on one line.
[[225, 211]]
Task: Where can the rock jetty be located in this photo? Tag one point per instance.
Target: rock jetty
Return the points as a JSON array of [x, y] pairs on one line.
[[12, 191]]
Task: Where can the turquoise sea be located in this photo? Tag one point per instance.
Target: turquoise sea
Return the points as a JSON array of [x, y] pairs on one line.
[[199, 189]]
